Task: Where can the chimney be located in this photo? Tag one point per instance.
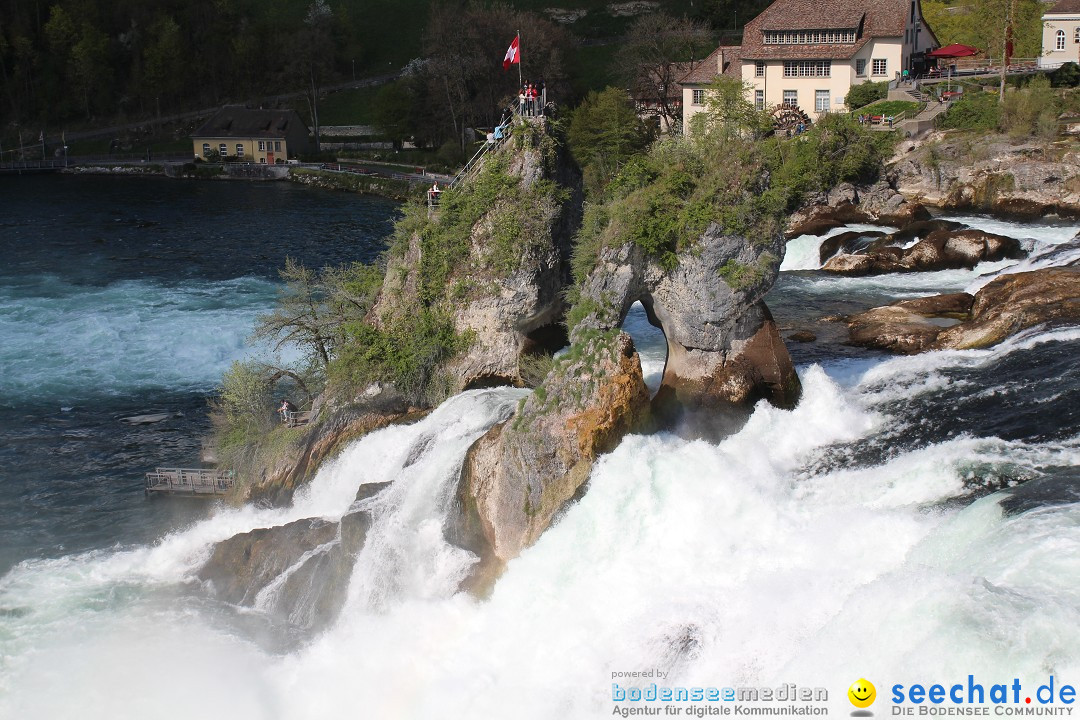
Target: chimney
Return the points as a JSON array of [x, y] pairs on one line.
[[720, 62]]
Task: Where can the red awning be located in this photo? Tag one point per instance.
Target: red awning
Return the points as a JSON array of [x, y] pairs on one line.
[[953, 51]]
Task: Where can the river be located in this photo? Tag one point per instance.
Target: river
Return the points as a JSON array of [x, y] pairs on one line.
[[913, 520]]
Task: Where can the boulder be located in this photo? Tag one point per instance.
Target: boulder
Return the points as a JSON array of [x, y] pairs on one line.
[[941, 250], [298, 572], [999, 175], [1004, 307], [1016, 302], [521, 473], [848, 243], [909, 326]]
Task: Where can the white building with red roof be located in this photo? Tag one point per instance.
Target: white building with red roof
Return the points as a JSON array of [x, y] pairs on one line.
[[808, 53]]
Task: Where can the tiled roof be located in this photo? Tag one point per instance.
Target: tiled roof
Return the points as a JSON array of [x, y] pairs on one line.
[[871, 18], [236, 121], [706, 71], [1063, 7]]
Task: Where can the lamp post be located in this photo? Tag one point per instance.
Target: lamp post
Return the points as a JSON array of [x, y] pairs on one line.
[[354, 70]]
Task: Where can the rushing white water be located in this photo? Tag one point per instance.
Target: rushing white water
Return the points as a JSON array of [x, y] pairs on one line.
[[774, 556], [804, 251], [729, 563], [69, 341]]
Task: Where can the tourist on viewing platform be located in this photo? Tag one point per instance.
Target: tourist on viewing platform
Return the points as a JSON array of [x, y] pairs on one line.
[[521, 101]]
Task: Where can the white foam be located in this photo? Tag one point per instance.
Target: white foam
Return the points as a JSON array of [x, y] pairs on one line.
[[804, 252]]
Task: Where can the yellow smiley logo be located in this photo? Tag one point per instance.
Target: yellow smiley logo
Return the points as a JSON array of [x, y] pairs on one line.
[[862, 693]]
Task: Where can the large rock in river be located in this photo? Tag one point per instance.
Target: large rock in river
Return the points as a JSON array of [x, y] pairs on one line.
[[1006, 306], [522, 472], [939, 250], [723, 345]]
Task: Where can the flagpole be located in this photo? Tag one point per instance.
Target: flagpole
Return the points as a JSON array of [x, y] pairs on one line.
[[520, 81]]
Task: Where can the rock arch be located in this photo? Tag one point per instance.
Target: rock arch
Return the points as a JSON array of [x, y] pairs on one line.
[[723, 346]]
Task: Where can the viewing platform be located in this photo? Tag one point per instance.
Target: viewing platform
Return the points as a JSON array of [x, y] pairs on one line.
[[195, 482]]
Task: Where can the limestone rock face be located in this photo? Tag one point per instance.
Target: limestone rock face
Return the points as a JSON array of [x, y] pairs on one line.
[[522, 472], [1023, 180], [506, 312], [723, 346], [1007, 305], [880, 204], [939, 250]]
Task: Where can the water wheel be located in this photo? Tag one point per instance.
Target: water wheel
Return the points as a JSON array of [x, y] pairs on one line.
[[788, 118]]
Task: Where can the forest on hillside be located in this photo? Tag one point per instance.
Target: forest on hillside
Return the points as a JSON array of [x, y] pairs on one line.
[[72, 62]]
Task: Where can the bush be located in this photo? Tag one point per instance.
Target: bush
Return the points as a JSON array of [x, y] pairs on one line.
[[450, 153], [836, 149], [1066, 76], [243, 411], [1032, 110], [406, 351], [865, 93], [975, 110]]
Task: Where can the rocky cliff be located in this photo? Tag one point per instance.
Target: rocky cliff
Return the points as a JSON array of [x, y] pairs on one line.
[[990, 174], [495, 256]]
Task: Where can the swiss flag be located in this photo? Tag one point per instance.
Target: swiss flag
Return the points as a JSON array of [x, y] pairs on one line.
[[513, 54]]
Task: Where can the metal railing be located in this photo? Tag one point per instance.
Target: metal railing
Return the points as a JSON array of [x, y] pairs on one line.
[[189, 481], [502, 132], [295, 418]]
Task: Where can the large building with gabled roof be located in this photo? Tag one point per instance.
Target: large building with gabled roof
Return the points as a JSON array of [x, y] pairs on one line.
[[808, 53]]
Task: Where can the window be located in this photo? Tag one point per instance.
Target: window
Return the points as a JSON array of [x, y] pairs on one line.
[[1060, 40], [759, 99], [879, 67], [809, 37], [759, 68], [821, 101], [699, 97], [277, 146], [807, 68], [223, 149], [262, 161], [860, 68], [1076, 35], [791, 98], [262, 145], [206, 149], [239, 150]]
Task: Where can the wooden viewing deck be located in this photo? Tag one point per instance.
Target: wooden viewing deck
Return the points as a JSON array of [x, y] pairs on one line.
[[189, 481]]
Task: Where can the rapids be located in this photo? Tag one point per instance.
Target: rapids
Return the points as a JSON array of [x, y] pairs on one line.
[[878, 530]]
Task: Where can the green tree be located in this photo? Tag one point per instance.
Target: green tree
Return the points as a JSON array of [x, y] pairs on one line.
[[729, 113], [164, 62], [604, 133]]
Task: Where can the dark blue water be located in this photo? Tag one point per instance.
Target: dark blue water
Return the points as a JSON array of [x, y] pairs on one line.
[[128, 296]]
